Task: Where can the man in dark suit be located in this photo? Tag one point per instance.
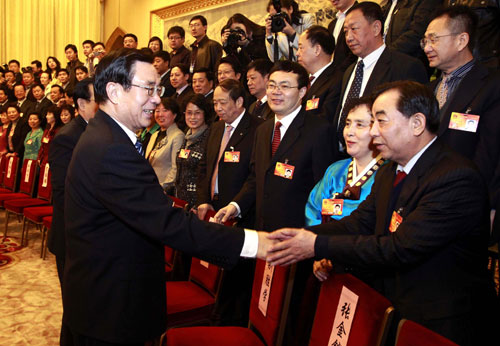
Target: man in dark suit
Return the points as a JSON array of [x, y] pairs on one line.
[[316, 47], [343, 56], [223, 171], [203, 83], [117, 217], [422, 233], [26, 106], [257, 78], [466, 90], [161, 63], [404, 25], [376, 63], [60, 152], [42, 103]]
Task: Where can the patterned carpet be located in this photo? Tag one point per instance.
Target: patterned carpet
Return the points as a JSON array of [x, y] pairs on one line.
[[30, 298]]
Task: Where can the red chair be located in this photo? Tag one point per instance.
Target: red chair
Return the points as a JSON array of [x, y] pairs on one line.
[[47, 223], [10, 175], [3, 160], [372, 316], [34, 215], [170, 254], [18, 206], [413, 334], [263, 330]]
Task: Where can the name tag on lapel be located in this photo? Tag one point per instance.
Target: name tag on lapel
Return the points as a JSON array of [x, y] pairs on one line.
[[184, 153], [396, 220], [232, 156], [312, 104], [464, 122], [284, 170]]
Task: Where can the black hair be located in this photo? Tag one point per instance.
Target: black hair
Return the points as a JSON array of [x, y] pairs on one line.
[[117, 67], [460, 19], [81, 90], [234, 88], [371, 11], [162, 55], [38, 63], [362, 101], [183, 67], [38, 85], [317, 34], [202, 19], [88, 42], [132, 36], [235, 64], [56, 111], [83, 68], [296, 14], [63, 70], [251, 27], [208, 73], [15, 62], [293, 67], [61, 90], [58, 65], [263, 66], [177, 30], [171, 105], [156, 38], [200, 101], [72, 46], [69, 108]]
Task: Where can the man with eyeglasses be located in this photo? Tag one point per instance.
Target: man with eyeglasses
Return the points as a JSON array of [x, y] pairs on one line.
[[179, 54], [117, 217], [466, 90], [204, 51]]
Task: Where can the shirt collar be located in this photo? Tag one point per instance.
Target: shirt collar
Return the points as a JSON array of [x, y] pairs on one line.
[[461, 71], [409, 166], [320, 71], [179, 91], [287, 120], [236, 121], [373, 56], [131, 134], [264, 99]]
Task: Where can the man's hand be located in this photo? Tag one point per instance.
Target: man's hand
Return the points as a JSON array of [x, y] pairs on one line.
[[202, 210], [264, 244], [295, 245], [224, 214], [322, 269]]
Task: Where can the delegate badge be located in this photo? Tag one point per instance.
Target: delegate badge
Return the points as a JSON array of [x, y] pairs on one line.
[[396, 220], [184, 153], [312, 104], [284, 170], [464, 122], [332, 207], [232, 156], [45, 139]]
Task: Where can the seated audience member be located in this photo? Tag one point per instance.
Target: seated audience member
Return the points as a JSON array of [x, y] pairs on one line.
[[316, 47], [257, 78], [192, 149], [53, 66], [179, 78], [161, 63], [67, 113], [422, 233], [3, 131], [244, 39], [466, 91], [42, 103], [57, 94], [130, 41], [155, 44], [53, 120], [203, 83], [347, 182], [204, 51], [164, 145], [33, 138], [296, 23], [16, 132], [25, 106], [81, 72], [179, 54]]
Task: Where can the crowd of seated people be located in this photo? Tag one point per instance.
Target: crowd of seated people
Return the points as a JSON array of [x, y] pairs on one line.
[[291, 93]]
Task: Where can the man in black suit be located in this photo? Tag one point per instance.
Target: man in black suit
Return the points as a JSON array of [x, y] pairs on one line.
[[42, 103], [404, 25], [161, 62], [26, 106], [343, 56], [223, 171], [376, 64], [60, 152], [466, 90], [257, 78], [203, 83], [117, 217], [4, 97], [422, 233], [316, 47]]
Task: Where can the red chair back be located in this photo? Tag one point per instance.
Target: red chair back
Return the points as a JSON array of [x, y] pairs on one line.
[[205, 274], [3, 159], [169, 255], [271, 326], [44, 185], [371, 317], [413, 334], [11, 168], [28, 175]]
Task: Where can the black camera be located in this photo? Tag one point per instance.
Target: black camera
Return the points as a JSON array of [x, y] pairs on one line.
[[235, 35], [278, 20]]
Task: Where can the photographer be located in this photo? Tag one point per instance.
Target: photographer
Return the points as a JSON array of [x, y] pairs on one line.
[[284, 24], [244, 39]]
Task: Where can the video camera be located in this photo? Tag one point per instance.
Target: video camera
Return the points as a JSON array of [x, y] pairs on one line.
[[278, 20]]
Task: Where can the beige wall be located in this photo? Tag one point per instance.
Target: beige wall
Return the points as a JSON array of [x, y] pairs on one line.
[[132, 16]]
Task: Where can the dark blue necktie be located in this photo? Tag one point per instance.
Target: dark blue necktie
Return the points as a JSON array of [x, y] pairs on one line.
[[354, 93], [138, 146]]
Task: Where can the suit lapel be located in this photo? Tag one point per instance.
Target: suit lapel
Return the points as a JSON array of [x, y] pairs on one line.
[[380, 72], [214, 146], [264, 147]]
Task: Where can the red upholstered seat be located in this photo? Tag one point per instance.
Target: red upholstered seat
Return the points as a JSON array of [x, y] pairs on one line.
[[208, 336], [270, 327], [413, 334], [47, 221], [18, 205], [11, 196], [36, 214], [371, 317], [10, 173]]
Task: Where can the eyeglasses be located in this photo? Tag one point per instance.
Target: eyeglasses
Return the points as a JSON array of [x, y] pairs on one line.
[[281, 87], [433, 39], [152, 90]]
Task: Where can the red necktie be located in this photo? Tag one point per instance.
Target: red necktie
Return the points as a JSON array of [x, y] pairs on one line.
[[276, 138], [311, 78], [400, 176]]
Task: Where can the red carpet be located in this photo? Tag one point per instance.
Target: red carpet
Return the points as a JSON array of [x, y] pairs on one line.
[[8, 245]]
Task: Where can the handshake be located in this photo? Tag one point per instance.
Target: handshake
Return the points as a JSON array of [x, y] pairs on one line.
[[286, 246]]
